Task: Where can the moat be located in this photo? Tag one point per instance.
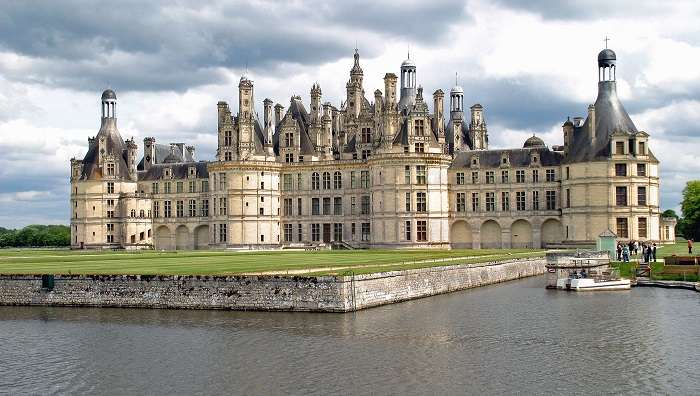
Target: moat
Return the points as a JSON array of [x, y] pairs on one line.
[[512, 337]]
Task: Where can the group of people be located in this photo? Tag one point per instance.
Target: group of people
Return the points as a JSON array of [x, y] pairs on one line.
[[626, 250]]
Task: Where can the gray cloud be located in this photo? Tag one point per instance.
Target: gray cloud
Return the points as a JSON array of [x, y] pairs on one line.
[[592, 9]]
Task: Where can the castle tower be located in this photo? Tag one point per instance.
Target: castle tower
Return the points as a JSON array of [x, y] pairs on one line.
[[354, 88], [478, 134], [246, 117], [408, 84], [456, 125], [316, 109]]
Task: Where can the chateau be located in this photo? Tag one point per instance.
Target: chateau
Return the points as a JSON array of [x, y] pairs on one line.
[[385, 173]]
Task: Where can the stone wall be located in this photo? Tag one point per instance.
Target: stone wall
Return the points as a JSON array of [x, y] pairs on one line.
[[278, 293]]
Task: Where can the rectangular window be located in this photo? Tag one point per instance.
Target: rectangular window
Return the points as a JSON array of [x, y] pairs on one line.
[[110, 188], [365, 231], [299, 232], [222, 207], [167, 188], [421, 202], [326, 206], [621, 196], [154, 188], [407, 175], [475, 202], [641, 196], [338, 206], [364, 209], [568, 198], [421, 230], [315, 232], [549, 175], [366, 135], [178, 187], [110, 169], [461, 202], [205, 185], [460, 178], [407, 230], [641, 170], [353, 180], [551, 199], [352, 231], [222, 182], [622, 231], [520, 176], [299, 207], [420, 148], [568, 174], [156, 209], [289, 157], [642, 148], [205, 208], [520, 200], [110, 227], [505, 201], [287, 182], [475, 177], [167, 209], [364, 179], [337, 231], [110, 214], [110, 238], [535, 200], [419, 127], [315, 206], [287, 207], [326, 180], [337, 180], [180, 209], [535, 176], [620, 169], [420, 174], [619, 148], [287, 233], [490, 201], [642, 227], [353, 206], [408, 202], [489, 177], [300, 184], [192, 186], [192, 208], [504, 176], [222, 233], [366, 154]]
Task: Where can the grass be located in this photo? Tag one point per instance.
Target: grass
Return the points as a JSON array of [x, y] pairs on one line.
[[45, 261]]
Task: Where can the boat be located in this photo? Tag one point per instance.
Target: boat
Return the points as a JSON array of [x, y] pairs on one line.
[[593, 284], [585, 274]]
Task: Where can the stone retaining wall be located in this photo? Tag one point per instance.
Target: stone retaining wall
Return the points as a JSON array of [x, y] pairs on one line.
[[276, 293]]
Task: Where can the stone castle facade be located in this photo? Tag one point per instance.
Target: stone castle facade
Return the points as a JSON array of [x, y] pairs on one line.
[[381, 174]]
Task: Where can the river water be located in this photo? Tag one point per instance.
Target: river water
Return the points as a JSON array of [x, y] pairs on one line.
[[512, 337]]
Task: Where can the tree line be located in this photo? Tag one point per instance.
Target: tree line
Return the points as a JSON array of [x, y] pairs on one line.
[[35, 236], [689, 223]]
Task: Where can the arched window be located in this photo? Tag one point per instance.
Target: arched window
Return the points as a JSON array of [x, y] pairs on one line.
[[326, 180], [133, 212], [337, 180], [315, 181], [142, 213]]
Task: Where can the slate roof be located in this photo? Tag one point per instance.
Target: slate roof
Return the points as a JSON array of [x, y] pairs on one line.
[[517, 157], [466, 141], [114, 145], [179, 170], [298, 112], [164, 153]]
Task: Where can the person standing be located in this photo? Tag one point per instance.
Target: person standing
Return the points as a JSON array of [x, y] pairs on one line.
[[619, 251], [626, 254], [636, 248], [653, 251], [690, 246]]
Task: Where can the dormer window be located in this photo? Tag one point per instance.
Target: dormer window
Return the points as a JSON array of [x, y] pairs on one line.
[[504, 159], [619, 148], [192, 171], [110, 169], [642, 148], [168, 173]]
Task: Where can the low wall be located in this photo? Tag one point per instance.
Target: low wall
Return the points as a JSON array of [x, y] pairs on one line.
[[276, 293]]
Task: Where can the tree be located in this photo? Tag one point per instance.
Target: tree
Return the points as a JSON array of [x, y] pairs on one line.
[[35, 235], [691, 210], [670, 213]]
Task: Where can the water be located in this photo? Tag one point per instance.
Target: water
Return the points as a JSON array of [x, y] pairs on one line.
[[513, 337]]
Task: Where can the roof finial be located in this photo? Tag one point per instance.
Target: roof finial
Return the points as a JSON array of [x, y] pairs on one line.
[[409, 51], [606, 41], [456, 83]]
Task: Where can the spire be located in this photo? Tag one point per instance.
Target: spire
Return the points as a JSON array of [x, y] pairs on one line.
[[356, 69]]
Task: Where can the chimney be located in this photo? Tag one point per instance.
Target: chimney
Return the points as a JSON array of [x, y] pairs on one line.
[[278, 113], [190, 151], [591, 122]]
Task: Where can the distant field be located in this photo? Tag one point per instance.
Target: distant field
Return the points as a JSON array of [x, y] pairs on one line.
[[40, 261]]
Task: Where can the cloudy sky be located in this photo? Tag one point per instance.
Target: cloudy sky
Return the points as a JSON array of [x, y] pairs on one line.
[[530, 63]]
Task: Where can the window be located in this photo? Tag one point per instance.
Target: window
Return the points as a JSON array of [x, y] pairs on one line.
[[520, 176], [261, 211], [641, 170], [407, 230], [550, 198], [364, 208], [180, 208], [156, 209], [620, 169], [299, 207], [154, 188], [475, 177], [262, 185], [227, 138], [192, 186], [535, 176], [287, 231], [286, 182], [352, 230], [337, 180], [288, 139], [642, 150], [315, 181], [192, 208], [535, 200], [167, 188], [300, 184], [337, 231], [205, 208], [366, 154], [167, 209], [315, 206], [408, 201], [288, 157], [222, 207], [642, 227], [489, 177], [338, 206], [222, 181], [420, 148], [461, 202], [228, 156], [110, 202], [568, 174], [365, 231], [460, 178], [299, 232], [353, 209], [326, 180], [110, 188], [641, 196], [421, 202], [421, 230], [287, 207], [326, 206], [110, 169], [419, 128], [205, 186], [364, 179], [222, 233], [520, 200], [490, 201], [622, 231], [420, 174], [407, 174], [178, 187], [142, 236], [505, 201], [366, 135], [110, 227], [315, 232], [619, 148], [568, 198], [353, 180], [621, 196], [475, 202], [504, 176], [110, 238], [549, 175]]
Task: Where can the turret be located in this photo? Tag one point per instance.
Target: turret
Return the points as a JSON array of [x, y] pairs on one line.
[[245, 117], [268, 128], [408, 84], [327, 131], [478, 133], [131, 150], [390, 91], [316, 104], [456, 102], [354, 88], [568, 130]]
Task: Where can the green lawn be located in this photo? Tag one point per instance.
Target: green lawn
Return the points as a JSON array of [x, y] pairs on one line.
[[38, 261]]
